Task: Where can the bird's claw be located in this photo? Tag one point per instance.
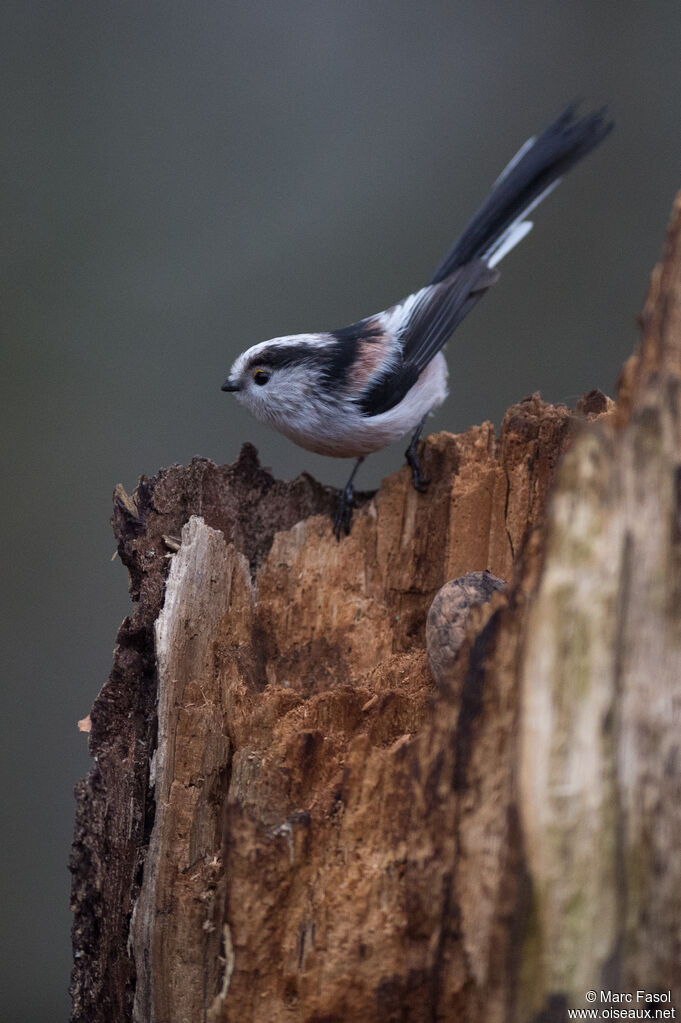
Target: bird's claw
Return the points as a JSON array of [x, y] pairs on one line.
[[343, 514], [418, 479]]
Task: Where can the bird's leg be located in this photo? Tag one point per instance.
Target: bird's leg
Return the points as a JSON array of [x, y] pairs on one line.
[[341, 520], [412, 456]]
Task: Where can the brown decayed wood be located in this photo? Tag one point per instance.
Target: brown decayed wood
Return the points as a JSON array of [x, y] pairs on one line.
[[330, 677], [287, 821], [115, 806]]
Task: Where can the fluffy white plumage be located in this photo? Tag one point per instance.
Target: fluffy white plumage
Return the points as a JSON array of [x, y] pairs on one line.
[[297, 405]]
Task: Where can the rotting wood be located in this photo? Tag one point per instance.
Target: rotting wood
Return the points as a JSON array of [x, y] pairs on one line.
[[323, 835]]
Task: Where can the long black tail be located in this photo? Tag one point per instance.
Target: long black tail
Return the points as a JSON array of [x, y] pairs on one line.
[[535, 169]]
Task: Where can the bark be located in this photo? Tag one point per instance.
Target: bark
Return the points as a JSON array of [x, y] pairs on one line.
[[288, 820]]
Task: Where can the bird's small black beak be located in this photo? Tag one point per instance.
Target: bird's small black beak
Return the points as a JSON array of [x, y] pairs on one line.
[[230, 385]]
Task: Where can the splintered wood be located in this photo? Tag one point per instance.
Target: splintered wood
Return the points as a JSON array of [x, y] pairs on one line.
[[296, 760], [288, 821]]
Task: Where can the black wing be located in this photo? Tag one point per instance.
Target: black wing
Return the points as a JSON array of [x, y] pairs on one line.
[[430, 318]]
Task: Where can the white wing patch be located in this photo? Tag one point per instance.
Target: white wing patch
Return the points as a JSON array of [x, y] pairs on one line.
[[393, 320]]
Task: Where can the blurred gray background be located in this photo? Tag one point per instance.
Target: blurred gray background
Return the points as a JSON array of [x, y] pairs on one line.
[[183, 179]]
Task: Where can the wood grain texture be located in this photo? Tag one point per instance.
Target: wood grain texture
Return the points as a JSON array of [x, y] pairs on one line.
[[316, 681], [601, 677], [288, 821]]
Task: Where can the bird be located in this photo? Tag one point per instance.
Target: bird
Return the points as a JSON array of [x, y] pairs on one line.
[[350, 392]]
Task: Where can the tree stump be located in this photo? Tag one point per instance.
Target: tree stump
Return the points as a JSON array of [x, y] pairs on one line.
[[287, 820]]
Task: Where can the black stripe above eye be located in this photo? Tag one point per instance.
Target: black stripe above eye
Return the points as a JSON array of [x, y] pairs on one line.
[[334, 354], [285, 355]]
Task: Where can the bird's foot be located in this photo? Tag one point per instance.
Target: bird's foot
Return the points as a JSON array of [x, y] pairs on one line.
[[412, 455], [343, 515]]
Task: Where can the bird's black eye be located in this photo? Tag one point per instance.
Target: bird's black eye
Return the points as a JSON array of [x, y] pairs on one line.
[[261, 377]]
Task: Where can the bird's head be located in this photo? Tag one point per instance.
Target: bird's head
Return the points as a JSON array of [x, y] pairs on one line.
[[278, 378]]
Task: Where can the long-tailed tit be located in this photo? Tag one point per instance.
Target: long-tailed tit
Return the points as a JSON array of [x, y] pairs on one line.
[[349, 392]]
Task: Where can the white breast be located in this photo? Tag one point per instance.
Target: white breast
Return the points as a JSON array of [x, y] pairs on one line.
[[342, 432]]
